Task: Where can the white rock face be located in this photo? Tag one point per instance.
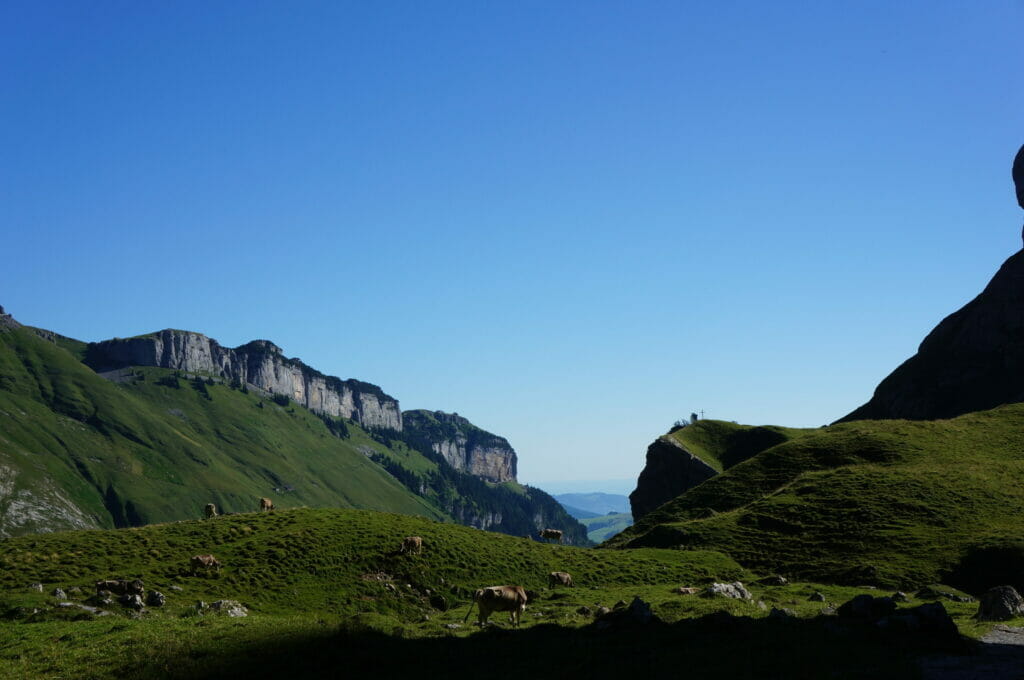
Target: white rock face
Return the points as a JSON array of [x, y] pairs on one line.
[[36, 506], [464, 446], [259, 363]]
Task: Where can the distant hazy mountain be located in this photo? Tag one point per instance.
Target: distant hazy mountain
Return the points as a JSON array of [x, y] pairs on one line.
[[595, 502]]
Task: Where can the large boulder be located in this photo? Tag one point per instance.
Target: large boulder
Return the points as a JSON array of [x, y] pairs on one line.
[[229, 607], [867, 608], [131, 601], [638, 613], [735, 590], [1000, 604]]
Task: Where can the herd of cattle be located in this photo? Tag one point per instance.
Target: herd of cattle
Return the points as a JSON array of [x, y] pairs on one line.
[[511, 599]]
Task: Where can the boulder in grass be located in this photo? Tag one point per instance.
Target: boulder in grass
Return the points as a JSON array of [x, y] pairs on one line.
[[735, 590], [867, 608], [131, 601], [1000, 604], [230, 607]]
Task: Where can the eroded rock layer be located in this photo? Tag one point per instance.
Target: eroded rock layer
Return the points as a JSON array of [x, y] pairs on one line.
[[260, 364]]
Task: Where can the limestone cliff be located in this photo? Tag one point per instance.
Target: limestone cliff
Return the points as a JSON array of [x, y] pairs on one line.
[[462, 444], [260, 364]]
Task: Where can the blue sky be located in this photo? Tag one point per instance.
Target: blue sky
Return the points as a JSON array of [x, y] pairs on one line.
[[571, 222]]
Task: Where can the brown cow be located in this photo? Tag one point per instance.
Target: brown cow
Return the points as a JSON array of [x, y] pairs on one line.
[[206, 562], [559, 578], [551, 533], [511, 599], [120, 586], [412, 544], [266, 505], [210, 510]]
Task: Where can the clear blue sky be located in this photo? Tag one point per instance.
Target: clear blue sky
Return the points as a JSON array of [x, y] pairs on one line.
[[571, 222]]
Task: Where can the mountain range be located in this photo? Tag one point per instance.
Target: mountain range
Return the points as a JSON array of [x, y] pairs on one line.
[[132, 431]]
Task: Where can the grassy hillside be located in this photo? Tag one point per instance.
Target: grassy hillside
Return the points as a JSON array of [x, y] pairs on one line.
[[326, 590], [157, 447], [149, 445], [886, 502], [722, 444]]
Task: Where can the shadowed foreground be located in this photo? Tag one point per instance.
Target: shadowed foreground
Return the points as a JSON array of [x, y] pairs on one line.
[[710, 647]]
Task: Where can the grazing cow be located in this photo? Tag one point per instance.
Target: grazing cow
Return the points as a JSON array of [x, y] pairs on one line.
[[511, 599], [412, 544], [559, 578], [266, 505], [551, 533], [205, 562], [120, 586], [210, 510]]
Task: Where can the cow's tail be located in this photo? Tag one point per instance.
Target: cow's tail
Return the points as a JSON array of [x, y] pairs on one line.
[[470, 611]]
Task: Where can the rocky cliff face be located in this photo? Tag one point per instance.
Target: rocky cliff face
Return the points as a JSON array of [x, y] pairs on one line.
[[670, 470], [260, 364], [972, 361], [463, 445]]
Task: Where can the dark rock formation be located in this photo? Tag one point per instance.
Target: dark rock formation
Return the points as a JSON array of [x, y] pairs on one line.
[[972, 361], [867, 608], [259, 364], [462, 444], [1001, 603], [670, 470], [1018, 176]]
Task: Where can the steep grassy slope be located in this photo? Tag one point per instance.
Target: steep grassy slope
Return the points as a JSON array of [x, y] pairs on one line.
[[77, 450], [149, 445], [328, 594], [691, 454], [887, 502], [722, 444]]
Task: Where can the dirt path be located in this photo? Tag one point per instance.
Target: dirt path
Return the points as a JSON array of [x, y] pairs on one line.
[[1000, 657]]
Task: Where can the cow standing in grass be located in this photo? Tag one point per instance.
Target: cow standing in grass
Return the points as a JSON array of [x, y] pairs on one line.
[[205, 562], [210, 510], [266, 505], [559, 578], [412, 545], [511, 599], [549, 534]]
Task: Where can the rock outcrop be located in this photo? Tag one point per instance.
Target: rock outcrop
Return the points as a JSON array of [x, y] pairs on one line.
[[972, 361], [462, 444], [259, 364], [670, 470], [1018, 176], [7, 321], [1001, 603]]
